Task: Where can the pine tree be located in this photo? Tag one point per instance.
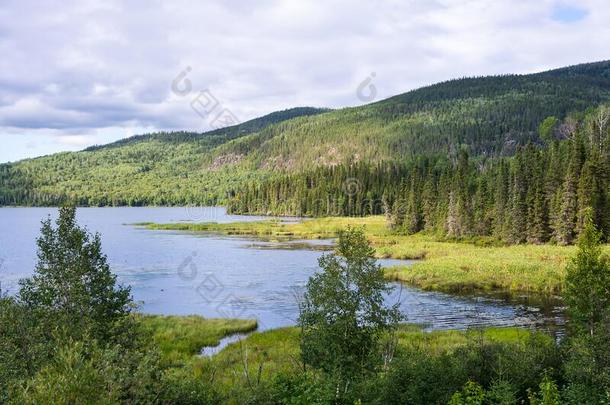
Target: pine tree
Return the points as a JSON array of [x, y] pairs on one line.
[[500, 222], [413, 214], [565, 222], [538, 224], [454, 221], [588, 281], [518, 204], [565, 226], [593, 194]]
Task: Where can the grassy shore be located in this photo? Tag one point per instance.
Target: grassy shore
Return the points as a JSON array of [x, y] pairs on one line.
[[262, 356], [181, 337], [280, 347], [444, 266]]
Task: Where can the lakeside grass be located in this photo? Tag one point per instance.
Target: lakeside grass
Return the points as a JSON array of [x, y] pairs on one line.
[[181, 337], [446, 266], [262, 355]]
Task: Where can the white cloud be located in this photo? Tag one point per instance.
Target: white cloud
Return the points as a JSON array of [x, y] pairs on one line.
[[75, 140], [74, 66]]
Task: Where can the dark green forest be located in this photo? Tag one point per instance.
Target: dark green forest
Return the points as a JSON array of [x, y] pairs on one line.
[[536, 196], [489, 118]]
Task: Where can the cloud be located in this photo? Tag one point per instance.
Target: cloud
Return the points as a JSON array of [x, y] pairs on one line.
[[76, 140], [73, 67]]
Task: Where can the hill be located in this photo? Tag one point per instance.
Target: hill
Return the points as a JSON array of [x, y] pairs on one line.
[[488, 116]]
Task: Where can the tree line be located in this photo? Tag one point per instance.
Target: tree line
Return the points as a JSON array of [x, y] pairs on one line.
[[539, 195]]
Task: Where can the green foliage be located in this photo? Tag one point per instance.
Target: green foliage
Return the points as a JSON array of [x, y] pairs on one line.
[[588, 282], [73, 285], [343, 315], [587, 362], [303, 389], [83, 371], [24, 344], [427, 368], [471, 394], [501, 392], [71, 377], [546, 131], [69, 335], [421, 376], [181, 385], [548, 394]]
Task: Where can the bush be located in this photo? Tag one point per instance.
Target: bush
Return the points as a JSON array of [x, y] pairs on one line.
[[86, 372]]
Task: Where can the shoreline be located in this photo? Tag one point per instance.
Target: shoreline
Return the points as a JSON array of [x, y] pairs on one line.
[[444, 266]]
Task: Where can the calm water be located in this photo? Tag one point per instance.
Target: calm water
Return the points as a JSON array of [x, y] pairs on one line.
[[217, 276]]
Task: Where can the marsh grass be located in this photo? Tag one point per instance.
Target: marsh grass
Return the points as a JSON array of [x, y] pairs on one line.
[[450, 266], [181, 337], [244, 367], [261, 356]]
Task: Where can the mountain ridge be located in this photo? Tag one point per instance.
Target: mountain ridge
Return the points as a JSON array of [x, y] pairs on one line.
[[489, 116]]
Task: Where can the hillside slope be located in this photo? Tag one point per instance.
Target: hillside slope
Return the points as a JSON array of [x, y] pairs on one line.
[[160, 169], [489, 116]]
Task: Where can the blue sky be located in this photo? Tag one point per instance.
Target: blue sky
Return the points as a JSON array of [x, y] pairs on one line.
[[78, 73], [569, 13]]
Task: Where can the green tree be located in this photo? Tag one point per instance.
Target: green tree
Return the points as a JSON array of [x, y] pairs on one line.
[[343, 316], [565, 220], [587, 295], [548, 394], [471, 394], [547, 128], [69, 335], [73, 285], [587, 285], [593, 194], [414, 215]]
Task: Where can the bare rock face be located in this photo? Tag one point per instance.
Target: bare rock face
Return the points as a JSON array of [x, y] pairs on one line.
[[225, 160]]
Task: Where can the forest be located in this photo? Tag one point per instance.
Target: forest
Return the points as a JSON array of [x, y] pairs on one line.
[[488, 117], [538, 195]]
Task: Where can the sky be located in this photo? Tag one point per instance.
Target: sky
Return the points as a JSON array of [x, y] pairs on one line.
[[79, 73]]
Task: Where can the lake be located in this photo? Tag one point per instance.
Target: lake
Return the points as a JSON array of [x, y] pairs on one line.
[[218, 276]]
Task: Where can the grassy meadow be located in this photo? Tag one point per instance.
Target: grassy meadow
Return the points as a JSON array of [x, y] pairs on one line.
[[449, 266]]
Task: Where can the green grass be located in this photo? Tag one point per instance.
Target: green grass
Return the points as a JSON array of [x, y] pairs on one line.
[[260, 356], [444, 266], [263, 355], [181, 337]]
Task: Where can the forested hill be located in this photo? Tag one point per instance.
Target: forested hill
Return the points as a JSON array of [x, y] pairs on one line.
[[487, 116], [217, 136]]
